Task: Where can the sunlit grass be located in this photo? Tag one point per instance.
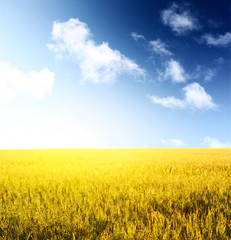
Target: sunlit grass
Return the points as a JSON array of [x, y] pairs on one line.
[[115, 194]]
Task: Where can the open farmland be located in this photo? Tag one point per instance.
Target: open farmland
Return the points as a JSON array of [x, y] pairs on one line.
[[115, 194]]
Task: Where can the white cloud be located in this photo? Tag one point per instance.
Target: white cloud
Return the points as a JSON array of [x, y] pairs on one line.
[[156, 46], [217, 41], [179, 19], [98, 63], [173, 142], [159, 47], [137, 37], [12, 80], [194, 97], [177, 74], [169, 102], [175, 71], [215, 143]]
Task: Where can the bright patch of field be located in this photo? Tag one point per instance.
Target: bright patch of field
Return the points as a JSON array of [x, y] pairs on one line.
[[115, 194]]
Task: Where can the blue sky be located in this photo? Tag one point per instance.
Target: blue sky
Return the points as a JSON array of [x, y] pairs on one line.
[[115, 74]]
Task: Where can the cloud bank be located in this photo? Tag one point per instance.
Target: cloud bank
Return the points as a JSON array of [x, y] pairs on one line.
[[98, 63], [13, 81]]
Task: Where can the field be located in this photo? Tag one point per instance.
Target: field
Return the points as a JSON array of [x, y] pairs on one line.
[[115, 194]]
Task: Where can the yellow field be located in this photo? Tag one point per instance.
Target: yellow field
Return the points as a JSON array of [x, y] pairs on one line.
[[115, 194]]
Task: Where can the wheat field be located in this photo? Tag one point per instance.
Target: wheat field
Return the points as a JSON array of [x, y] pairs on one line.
[[115, 194]]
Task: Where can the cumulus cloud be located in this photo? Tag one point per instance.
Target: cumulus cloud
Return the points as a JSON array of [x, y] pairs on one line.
[[179, 19], [195, 97], [218, 40], [12, 80], [98, 63], [173, 142], [137, 36], [215, 143], [175, 71], [159, 47]]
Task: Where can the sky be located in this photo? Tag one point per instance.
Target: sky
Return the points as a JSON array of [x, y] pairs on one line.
[[115, 74]]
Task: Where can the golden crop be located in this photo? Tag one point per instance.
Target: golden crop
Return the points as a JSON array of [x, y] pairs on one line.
[[115, 194]]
